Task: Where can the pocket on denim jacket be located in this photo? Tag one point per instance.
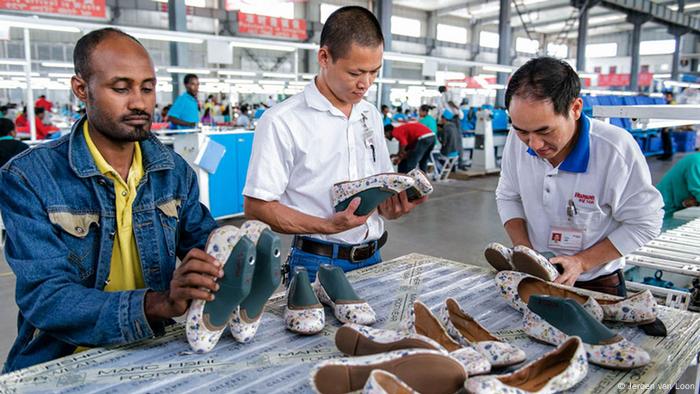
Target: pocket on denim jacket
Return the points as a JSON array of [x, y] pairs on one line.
[[169, 218], [81, 239]]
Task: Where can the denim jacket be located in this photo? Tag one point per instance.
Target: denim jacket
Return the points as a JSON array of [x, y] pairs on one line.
[[59, 211]]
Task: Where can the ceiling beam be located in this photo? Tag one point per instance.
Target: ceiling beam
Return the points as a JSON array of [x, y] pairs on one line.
[[445, 11]]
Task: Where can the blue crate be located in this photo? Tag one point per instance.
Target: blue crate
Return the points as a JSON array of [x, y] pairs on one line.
[[655, 145], [684, 140]]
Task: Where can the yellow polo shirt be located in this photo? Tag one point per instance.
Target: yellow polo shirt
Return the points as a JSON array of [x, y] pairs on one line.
[[125, 268]]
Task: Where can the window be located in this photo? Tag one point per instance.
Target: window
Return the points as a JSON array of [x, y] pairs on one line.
[[557, 50], [526, 45], [279, 9], [657, 47], [601, 50], [327, 10], [451, 33], [405, 26], [488, 39], [190, 3]]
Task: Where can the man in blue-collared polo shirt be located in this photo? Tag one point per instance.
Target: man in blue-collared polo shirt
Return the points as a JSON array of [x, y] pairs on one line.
[[184, 114], [576, 187]]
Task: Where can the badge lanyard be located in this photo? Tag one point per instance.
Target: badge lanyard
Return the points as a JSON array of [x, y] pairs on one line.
[[368, 136]]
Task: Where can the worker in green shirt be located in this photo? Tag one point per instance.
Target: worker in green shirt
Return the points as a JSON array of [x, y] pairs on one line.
[[680, 187], [425, 118]]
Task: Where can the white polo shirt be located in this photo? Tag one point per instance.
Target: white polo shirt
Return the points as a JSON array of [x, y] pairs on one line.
[[304, 145], [605, 176]]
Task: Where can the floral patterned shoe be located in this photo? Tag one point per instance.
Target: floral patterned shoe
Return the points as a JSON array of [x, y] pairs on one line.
[[422, 187], [518, 287], [246, 319], [423, 322], [304, 313], [527, 260], [372, 190], [558, 370], [637, 309], [333, 289], [206, 320], [425, 371], [554, 320], [469, 332], [383, 382], [499, 256], [359, 340]]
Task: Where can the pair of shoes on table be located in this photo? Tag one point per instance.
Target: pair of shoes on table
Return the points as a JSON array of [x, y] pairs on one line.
[[464, 339], [517, 288], [375, 189], [520, 258], [554, 320], [251, 264], [304, 313], [430, 371]]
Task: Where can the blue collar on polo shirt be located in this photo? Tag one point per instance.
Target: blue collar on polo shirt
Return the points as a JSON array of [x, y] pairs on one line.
[[577, 159]]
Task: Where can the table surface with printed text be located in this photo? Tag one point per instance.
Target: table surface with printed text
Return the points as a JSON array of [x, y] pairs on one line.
[[278, 361]]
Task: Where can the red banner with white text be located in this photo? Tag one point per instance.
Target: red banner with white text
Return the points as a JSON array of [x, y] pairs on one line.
[[261, 25], [86, 8]]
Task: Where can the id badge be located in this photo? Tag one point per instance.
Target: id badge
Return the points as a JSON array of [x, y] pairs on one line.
[[564, 237]]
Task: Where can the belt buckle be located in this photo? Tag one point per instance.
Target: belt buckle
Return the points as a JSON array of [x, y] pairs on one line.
[[353, 250], [356, 248]]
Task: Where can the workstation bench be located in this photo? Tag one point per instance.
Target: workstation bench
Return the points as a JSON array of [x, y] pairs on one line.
[[278, 361]]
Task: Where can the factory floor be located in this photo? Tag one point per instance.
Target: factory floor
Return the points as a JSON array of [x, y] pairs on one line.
[[456, 223]]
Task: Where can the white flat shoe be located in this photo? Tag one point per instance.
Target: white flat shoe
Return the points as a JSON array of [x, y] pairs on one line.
[[517, 288], [206, 320], [468, 332], [558, 370], [554, 320], [499, 256], [527, 260]]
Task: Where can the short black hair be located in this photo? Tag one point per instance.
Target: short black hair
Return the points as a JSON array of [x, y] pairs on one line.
[[384, 106], [389, 127], [546, 78], [6, 126], [87, 43], [39, 110], [442, 89], [189, 77], [426, 108], [348, 25]]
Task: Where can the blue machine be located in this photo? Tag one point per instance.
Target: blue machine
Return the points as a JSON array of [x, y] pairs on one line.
[[226, 184]]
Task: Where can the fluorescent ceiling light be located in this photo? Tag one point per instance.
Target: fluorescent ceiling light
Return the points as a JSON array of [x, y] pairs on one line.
[[38, 26], [57, 64], [17, 73], [496, 86], [60, 75], [499, 68], [271, 82], [279, 75], [208, 80], [662, 76], [13, 62], [263, 46], [237, 72], [431, 83], [403, 58], [298, 83], [239, 81], [184, 70], [169, 38], [308, 76], [384, 80]]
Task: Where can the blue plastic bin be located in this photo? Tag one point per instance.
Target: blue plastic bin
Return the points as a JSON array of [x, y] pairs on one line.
[[685, 140]]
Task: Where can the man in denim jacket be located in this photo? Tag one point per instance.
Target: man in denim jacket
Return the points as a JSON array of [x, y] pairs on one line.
[[96, 219]]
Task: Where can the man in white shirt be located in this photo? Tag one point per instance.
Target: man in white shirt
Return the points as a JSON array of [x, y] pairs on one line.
[[573, 186], [325, 135]]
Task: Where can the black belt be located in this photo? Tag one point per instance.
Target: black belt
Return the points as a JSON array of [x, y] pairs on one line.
[[352, 253]]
